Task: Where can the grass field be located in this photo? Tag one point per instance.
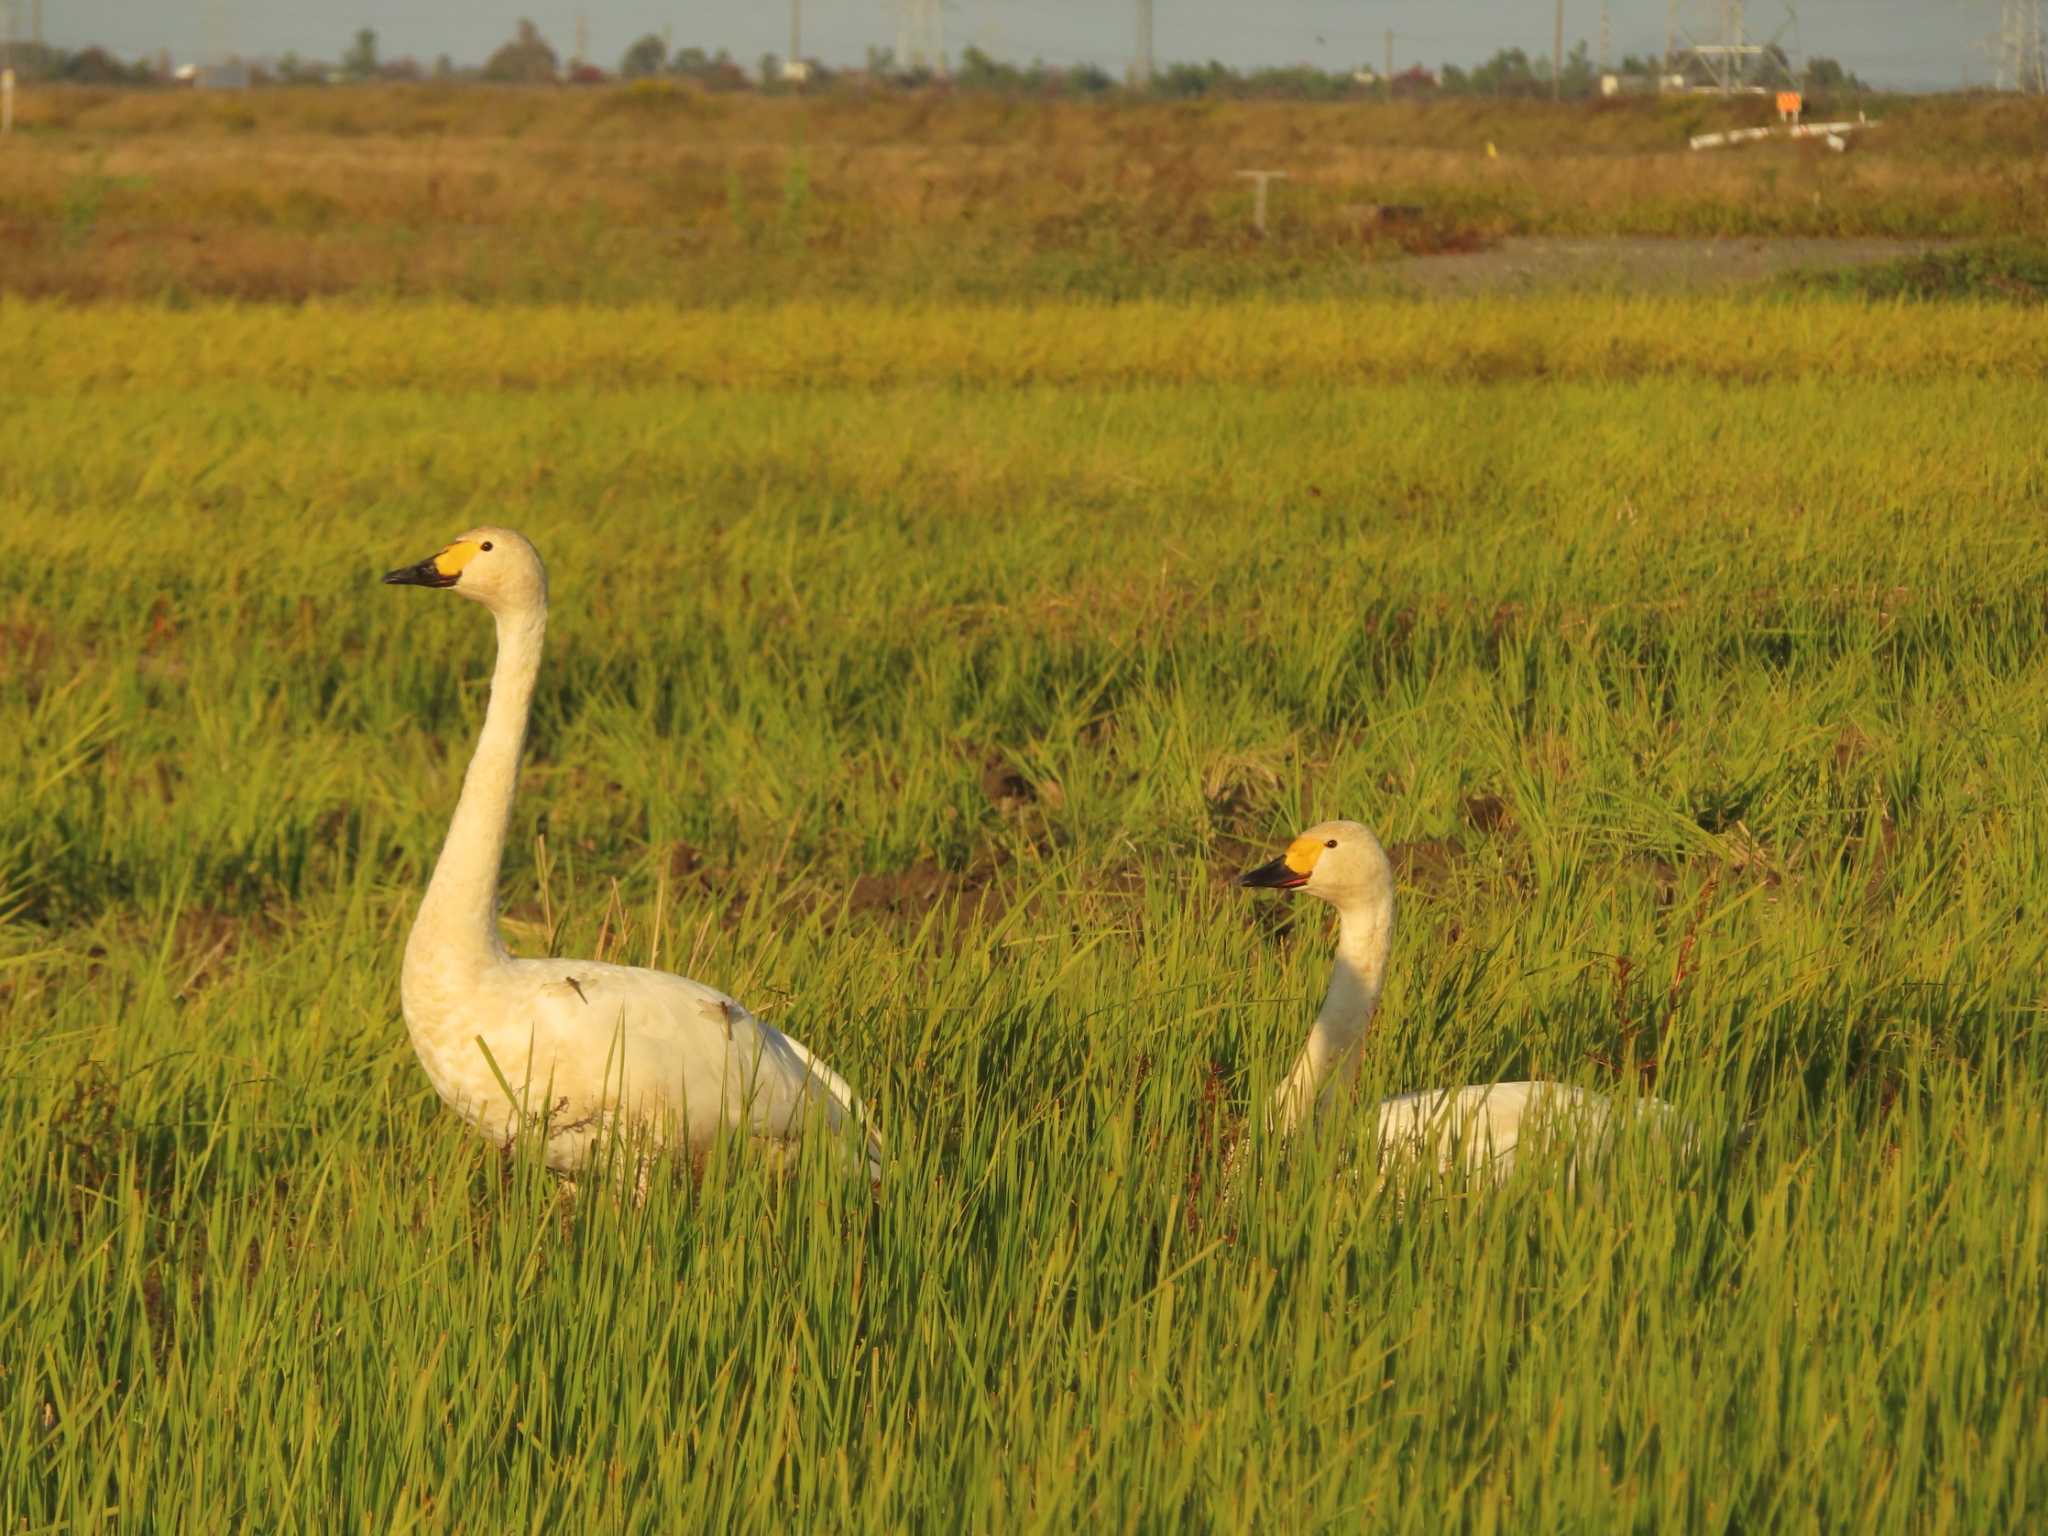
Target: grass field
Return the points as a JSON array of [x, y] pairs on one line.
[[923, 692], [661, 193]]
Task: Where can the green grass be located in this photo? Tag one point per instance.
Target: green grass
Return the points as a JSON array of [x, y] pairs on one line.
[[2012, 271], [1753, 663]]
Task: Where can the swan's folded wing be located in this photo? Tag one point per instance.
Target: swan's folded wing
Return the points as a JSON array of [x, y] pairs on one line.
[[1478, 1126], [676, 1049], [616, 1037], [844, 1104], [784, 1083]]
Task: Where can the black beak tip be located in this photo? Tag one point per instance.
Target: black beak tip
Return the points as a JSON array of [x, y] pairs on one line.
[[1276, 876], [425, 574]]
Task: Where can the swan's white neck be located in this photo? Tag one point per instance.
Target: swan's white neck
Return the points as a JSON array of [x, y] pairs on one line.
[[455, 937], [1365, 937]]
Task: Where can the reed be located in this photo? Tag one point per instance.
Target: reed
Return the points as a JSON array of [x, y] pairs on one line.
[[928, 709]]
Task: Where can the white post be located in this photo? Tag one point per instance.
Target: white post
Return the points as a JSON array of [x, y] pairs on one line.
[[1259, 180]]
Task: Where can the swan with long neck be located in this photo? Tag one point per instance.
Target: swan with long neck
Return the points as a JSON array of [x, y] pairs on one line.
[[1480, 1125], [577, 1049]]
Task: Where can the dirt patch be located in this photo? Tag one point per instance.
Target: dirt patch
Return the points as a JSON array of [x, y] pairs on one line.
[[1007, 789], [1429, 864], [1011, 793], [686, 865], [1851, 746], [25, 647], [1660, 874], [1489, 814], [206, 944], [910, 893], [969, 902], [1638, 264]]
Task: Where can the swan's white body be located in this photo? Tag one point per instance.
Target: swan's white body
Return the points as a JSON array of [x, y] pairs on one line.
[[1482, 1126], [1479, 1127], [577, 1049]]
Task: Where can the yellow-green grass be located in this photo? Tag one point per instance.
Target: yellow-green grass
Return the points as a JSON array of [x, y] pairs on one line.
[[928, 712], [454, 347]]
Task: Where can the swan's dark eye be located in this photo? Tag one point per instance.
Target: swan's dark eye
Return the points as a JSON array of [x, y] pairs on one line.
[[486, 546], [1330, 844]]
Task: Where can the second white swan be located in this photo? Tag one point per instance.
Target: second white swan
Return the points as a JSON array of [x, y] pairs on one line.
[[575, 1048], [1480, 1126]]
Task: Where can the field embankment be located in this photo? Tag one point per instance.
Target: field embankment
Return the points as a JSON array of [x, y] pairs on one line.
[[670, 194]]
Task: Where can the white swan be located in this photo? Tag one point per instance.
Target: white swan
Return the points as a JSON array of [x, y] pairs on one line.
[[576, 1048], [1479, 1126]]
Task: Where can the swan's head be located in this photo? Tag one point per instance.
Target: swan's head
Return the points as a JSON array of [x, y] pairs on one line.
[[1339, 861], [494, 566]]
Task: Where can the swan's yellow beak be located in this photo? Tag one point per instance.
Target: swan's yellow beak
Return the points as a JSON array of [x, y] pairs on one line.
[[1291, 869], [442, 570]]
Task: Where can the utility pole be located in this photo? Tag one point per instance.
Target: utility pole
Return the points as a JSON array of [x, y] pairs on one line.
[[796, 31], [1557, 57], [918, 39], [1605, 35], [2021, 57], [1141, 70], [1670, 37], [1389, 79], [920, 36]]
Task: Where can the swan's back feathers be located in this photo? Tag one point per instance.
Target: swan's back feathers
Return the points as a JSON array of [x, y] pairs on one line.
[[606, 1042], [1483, 1126]]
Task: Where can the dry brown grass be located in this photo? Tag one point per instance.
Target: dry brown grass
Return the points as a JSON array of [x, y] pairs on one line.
[[640, 192]]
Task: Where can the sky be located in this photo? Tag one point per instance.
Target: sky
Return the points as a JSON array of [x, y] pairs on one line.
[[1905, 43]]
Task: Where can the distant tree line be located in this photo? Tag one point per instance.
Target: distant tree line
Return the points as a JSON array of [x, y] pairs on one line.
[[82, 66], [527, 58]]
